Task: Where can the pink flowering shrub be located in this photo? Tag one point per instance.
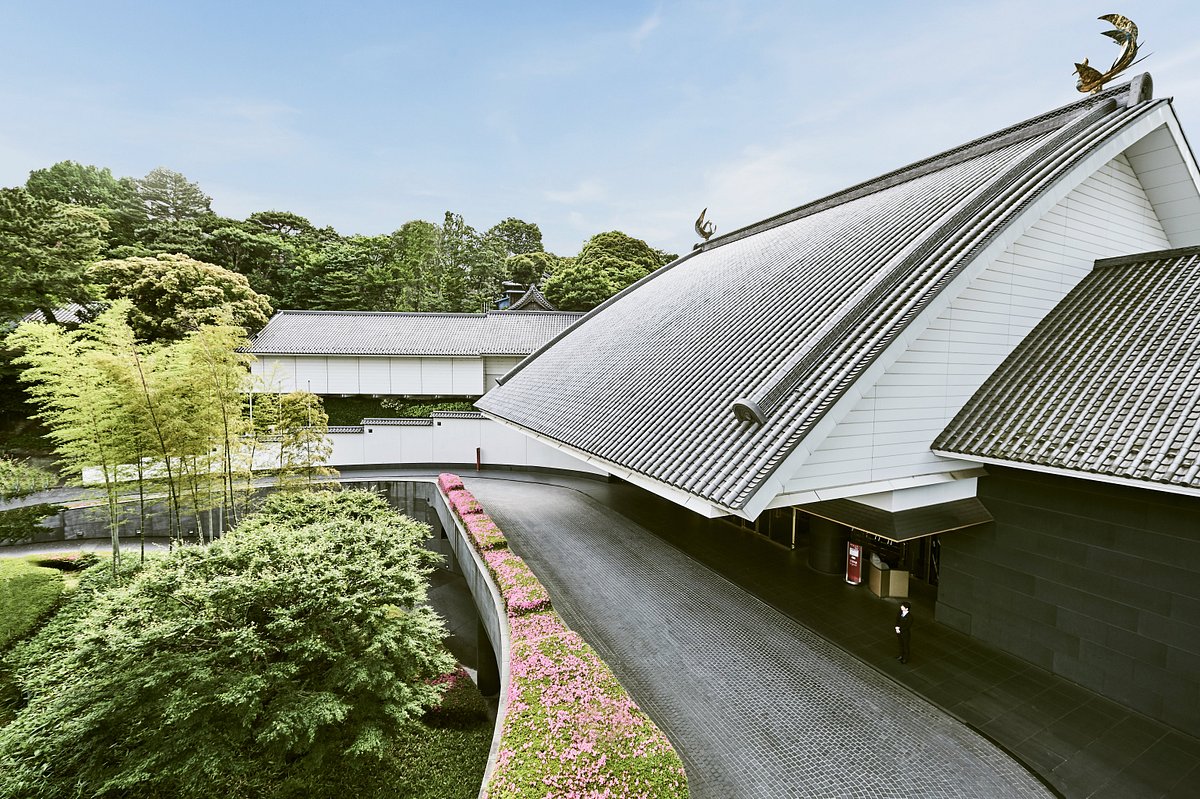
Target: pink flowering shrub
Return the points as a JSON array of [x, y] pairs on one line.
[[571, 730], [464, 503], [484, 532], [449, 482], [521, 590]]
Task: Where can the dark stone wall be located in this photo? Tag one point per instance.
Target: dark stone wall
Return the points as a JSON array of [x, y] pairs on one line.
[[1097, 583]]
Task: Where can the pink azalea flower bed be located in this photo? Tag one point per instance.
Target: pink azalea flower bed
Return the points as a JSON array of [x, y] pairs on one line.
[[464, 503], [484, 532], [570, 729], [522, 591]]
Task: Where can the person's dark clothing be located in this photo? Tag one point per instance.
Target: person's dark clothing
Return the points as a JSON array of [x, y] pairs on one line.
[[903, 629]]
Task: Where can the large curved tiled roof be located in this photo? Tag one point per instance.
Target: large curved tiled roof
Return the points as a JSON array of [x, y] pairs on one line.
[[1107, 384], [380, 333], [784, 315]]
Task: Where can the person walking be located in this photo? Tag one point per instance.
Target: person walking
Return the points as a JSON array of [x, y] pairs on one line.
[[904, 621]]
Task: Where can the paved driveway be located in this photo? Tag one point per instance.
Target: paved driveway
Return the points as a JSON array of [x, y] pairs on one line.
[[756, 704]]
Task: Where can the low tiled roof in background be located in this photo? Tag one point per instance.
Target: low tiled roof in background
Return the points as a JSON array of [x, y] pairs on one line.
[[532, 300], [786, 314], [1107, 384], [378, 333]]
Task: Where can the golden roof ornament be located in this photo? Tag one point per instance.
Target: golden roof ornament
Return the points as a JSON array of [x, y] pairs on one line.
[[1125, 34], [704, 229]]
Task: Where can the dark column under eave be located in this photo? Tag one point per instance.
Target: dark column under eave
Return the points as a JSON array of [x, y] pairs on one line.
[[827, 545]]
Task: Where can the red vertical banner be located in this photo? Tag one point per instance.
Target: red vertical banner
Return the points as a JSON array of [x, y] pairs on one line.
[[854, 563]]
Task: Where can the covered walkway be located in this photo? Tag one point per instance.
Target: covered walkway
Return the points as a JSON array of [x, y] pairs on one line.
[[757, 704], [775, 680]]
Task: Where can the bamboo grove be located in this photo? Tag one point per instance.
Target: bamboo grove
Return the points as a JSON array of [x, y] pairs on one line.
[[175, 425]]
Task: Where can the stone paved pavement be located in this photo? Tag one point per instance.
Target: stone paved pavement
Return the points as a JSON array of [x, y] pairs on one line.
[[756, 704]]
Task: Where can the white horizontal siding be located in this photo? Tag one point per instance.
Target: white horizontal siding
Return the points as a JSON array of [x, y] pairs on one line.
[[886, 436]]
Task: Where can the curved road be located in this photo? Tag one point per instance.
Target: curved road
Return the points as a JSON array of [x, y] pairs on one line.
[[756, 704]]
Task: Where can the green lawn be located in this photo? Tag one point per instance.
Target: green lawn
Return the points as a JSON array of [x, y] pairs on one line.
[[28, 596]]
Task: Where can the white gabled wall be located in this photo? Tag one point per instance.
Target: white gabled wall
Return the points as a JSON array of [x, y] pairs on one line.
[[887, 434]]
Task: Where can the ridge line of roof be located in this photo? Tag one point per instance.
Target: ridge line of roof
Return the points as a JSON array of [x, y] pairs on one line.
[[972, 149], [1153, 255]]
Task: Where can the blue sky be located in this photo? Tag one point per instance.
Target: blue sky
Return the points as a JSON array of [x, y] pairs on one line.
[[582, 117]]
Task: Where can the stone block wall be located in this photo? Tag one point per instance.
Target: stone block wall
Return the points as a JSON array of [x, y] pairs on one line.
[[1095, 582]]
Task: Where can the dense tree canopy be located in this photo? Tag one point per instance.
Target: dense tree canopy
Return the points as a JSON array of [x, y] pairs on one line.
[[45, 249], [421, 266], [298, 644], [170, 197], [173, 295], [608, 263]]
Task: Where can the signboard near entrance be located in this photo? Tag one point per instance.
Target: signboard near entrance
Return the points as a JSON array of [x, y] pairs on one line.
[[854, 563]]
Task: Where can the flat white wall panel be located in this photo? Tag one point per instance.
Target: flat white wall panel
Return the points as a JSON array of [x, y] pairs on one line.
[[946, 362], [277, 372], [406, 375], [449, 441], [312, 374], [437, 376], [468, 376], [343, 375], [374, 376], [496, 367]]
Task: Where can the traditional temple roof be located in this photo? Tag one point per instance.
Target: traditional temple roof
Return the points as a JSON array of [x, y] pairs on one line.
[[704, 376], [1107, 384], [379, 333], [532, 300]]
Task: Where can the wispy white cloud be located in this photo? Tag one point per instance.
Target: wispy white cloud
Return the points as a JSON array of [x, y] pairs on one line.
[[589, 190], [647, 27]]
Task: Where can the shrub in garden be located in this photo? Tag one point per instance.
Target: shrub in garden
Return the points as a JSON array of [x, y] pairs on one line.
[[69, 561], [449, 482], [296, 646], [461, 705]]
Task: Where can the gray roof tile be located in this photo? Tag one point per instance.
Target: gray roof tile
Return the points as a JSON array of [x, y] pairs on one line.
[[784, 314], [378, 333], [1108, 383]]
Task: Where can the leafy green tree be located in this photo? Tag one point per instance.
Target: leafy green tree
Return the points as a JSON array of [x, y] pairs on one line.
[[270, 261], [415, 245], [172, 295], [608, 263], [114, 199], [45, 249], [168, 196], [517, 236], [531, 267], [282, 223], [302, 428], [298, 644], [84, 410]]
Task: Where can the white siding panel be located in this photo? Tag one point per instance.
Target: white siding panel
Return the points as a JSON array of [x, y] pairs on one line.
[[312, 374], [468, 376], [496, 367], [437, 375], [406, 376], [343, 375], [277, 373], [374, 376], [886, 436]]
